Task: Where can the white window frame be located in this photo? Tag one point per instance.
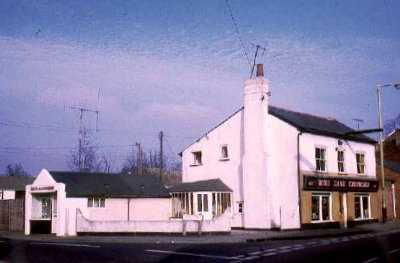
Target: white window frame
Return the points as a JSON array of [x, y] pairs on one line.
[[341, 161], [365, 164], [226, 157], [325, 159], [96, 202], [320, 195], [196, 161], [203, 197], [360, 196]]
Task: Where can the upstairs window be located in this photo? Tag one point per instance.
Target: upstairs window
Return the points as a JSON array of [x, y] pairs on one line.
[[340, 161], [197, 160], [320, 159], [224, 152], [360, 158], [96, 202]]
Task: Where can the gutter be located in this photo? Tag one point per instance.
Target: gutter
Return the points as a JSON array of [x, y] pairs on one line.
[[298, 175]]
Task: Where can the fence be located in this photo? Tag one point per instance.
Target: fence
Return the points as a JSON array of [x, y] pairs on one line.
[[12, 215]]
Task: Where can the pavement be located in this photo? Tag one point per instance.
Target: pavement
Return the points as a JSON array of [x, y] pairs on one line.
[[236, 236]]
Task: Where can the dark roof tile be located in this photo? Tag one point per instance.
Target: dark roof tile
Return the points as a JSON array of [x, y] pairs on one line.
[[17, 183], [212, 185], [82, 184]]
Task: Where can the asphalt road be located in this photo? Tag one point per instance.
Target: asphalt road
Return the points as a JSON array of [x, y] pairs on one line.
[[365, 248]]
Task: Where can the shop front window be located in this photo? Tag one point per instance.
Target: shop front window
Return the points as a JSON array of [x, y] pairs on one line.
[[320, 207], [361, 206], [46, 207]]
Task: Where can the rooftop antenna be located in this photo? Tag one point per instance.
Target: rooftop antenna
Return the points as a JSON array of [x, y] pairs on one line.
[[82, 134], [258, 47], [358, 122]]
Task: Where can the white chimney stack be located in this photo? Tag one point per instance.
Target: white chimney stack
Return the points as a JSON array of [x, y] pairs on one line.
[[256, 210]]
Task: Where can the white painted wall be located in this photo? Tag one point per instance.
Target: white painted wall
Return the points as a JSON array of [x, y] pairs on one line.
[[308, 142], [282, 174], [229, 171], [150, 209], [220, 224]]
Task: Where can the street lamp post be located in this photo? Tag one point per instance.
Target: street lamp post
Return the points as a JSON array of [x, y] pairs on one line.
[[381, 156]]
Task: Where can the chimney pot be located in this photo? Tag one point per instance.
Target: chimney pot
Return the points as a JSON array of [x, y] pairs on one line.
[[260, 70]]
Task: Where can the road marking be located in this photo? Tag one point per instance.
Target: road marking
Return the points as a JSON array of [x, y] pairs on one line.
[[270, 250], [269, 254], [285, 247], [255, 253], [394, 251], [189, 254], [370, 260], [64, 244]]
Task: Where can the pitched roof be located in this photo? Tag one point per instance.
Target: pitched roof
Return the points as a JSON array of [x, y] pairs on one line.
[[212, 185], [394, 166], [17, 183], [317, 124], [83, 184], [305, 123]]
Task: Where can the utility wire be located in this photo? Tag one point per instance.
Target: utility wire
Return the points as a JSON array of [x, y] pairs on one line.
[[236, 27]]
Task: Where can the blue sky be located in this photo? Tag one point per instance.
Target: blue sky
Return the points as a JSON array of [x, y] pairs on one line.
[[178, 66]]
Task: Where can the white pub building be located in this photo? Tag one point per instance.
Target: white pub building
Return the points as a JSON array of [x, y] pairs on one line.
[[287, 169], [263, 167]]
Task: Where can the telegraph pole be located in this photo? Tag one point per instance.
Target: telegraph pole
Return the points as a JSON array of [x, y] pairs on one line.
[[161, 138]]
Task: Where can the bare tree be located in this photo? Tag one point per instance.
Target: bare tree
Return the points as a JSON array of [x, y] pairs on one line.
[[87, 157], [15, 170]]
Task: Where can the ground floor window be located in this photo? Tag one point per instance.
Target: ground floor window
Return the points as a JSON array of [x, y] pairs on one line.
[[96, 202], [202, 203], [220, 202], [362, 206], [320, 207], [183, 204]]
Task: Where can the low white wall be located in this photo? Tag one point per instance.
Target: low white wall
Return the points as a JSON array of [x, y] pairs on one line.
[[150, 209], [220, 224]]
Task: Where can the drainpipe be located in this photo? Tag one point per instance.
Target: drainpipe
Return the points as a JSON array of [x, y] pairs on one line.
[[394, 201], [298, 175], [129, 205]]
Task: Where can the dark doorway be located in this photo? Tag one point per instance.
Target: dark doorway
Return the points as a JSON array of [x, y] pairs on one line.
[[40, 226]]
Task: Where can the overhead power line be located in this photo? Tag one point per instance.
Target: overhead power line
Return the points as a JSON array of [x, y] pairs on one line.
[[236, 28]]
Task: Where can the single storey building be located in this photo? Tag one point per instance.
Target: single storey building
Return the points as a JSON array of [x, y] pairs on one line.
[[71, 203]]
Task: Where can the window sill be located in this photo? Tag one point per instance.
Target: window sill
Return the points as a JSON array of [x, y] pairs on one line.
[[323, 221], [363, 219], [224, 159], [194, 165]]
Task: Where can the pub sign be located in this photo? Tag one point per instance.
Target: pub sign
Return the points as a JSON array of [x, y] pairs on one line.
[[326, 183]]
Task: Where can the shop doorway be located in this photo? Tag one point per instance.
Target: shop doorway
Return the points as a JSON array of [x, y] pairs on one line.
[[41, 222]]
